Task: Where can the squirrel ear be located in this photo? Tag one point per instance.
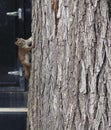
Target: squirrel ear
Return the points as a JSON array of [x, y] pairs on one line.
[[16, 41]]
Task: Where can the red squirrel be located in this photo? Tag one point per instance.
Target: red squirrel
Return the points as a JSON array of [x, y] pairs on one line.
[[24, 54]]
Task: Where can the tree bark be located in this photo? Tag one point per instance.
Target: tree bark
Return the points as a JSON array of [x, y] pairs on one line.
[[70, 83]]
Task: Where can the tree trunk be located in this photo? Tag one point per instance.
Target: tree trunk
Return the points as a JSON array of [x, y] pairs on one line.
[[70, 83]]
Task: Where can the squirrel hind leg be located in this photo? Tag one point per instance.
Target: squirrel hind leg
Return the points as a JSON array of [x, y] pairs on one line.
[[27, 72]]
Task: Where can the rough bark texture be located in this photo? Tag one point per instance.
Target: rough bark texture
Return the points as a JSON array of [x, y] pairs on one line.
[[70, 84]]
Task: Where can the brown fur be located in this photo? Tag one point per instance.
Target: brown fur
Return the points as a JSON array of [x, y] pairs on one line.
[[24, 47]]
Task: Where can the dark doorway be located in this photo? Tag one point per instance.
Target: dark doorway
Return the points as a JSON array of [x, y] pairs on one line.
[[11, 26], [15, 21]]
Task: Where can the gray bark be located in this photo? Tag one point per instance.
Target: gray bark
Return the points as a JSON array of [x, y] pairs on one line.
[[70, 83]]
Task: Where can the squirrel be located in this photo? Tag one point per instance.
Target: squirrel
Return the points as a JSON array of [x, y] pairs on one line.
[[24, 54]]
